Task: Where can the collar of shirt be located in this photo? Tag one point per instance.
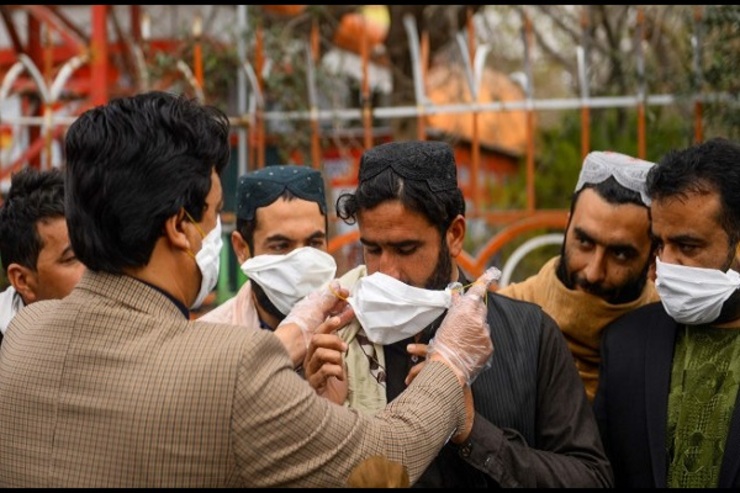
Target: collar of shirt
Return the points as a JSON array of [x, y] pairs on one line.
[[180, 306]]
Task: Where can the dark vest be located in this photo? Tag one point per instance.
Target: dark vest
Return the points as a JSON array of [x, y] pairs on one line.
[[505, 394]]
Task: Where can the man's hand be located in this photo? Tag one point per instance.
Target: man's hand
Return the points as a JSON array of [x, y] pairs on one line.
[[419, 350], [324, 363]]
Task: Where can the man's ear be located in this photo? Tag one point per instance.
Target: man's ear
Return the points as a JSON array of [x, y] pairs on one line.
[[240, 246], [175, 233], [456, 235], [24, 281]]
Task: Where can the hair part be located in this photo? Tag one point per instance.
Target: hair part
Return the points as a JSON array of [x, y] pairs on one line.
[[440, 208]]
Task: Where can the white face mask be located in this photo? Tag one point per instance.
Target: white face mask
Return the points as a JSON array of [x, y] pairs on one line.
[[390, 310], [694, 295], [209, 262], [288, 278]]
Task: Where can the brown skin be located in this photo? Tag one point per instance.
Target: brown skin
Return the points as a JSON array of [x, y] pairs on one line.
[[689, 233], [57, 268], [403, 244], [607, 246], [282, 227]]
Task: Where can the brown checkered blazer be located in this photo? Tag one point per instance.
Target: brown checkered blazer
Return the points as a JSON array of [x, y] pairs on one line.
[[114, 387]]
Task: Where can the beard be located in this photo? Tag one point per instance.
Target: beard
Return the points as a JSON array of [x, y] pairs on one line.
[[731, 307], [629, 291], [265, 302], [442, 274]]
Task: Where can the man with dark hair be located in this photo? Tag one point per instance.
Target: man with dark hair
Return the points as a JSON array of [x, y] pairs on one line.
[[115, 385], [602, 270], [37, 256], [280, 242], [533, 425], [667, 403]]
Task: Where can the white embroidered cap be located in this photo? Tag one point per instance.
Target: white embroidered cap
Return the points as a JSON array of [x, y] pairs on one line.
[[630, 172]]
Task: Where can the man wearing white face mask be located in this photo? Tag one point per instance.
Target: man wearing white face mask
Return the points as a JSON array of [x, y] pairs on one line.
[[533, 424], [280, 242], [667, 402], [115, 386]]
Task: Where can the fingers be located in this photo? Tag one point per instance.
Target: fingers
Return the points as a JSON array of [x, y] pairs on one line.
[[480, 286], [419, 350], [324, 360]]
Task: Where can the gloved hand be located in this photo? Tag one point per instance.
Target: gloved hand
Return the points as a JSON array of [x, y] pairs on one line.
[[313, 310], [463, 339]]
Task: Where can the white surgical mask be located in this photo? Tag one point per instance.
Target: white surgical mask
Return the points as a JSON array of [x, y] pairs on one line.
[[694, 295], [288, 278], [390, 310], [209, 262]]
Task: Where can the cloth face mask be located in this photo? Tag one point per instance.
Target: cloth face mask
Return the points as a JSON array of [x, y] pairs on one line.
[[694, 295], [390, 310], [290, 277], [209, 262]]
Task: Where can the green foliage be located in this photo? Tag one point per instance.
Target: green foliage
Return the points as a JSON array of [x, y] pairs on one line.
[[559, 162], [722, 68]]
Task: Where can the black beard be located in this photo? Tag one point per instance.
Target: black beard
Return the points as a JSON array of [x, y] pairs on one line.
[[442, 274], [265, 302], [730, 309], [629, 292]]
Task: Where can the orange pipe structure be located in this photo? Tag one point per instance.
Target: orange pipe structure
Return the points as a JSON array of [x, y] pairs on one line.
[[530, 118], [36, 52], [585, 110], [475, 141], [421, 121], [367, 117], [315, 140], [198, 51], [259, 56], [698, 105], [641, 144], [99, 63]]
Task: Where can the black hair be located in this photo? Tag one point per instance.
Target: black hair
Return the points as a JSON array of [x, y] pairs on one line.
[[439, 207], [132, 164], [34, 196], [707, 167]]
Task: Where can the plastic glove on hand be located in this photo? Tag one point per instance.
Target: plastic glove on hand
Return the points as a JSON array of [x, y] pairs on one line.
[[464, 338], [312, 311]]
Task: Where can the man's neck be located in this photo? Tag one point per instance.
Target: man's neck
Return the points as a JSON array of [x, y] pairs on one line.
[[267, 321]]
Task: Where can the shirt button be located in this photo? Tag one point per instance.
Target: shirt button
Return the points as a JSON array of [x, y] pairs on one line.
[[414, 359]]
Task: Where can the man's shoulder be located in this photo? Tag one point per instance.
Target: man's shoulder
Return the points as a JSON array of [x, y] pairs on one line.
[[502, 301], [637, 323], [649, 313]]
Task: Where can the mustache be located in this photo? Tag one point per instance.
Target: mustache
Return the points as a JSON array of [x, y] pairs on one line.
[[596, 289]]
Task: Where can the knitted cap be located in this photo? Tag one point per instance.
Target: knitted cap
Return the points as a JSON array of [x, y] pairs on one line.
[[630, 172], [262, 187], [429, 161]]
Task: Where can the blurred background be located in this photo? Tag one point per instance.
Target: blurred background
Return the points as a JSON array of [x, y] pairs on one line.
[[521, 92]]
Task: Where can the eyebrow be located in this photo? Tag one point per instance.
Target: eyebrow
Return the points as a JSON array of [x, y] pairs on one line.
[[281, 237], [686, 238], [394, 244], [611, 246], [67, 251]]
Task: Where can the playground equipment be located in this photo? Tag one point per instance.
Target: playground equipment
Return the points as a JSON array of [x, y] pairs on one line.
[[77, 71]]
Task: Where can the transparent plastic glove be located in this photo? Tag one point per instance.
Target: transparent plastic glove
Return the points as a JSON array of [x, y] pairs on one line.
[[312, 311], [464, 338]]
